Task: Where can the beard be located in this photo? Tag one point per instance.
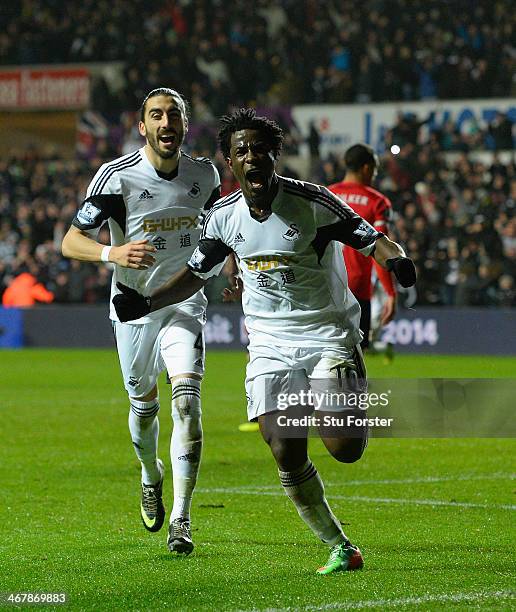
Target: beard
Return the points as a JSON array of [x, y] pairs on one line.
[[154, 143]]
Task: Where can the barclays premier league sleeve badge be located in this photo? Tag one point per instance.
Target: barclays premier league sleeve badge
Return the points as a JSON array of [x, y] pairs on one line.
[[196, 260], [88, 214]]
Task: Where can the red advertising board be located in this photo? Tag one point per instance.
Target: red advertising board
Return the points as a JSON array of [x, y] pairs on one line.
[[49, 88]]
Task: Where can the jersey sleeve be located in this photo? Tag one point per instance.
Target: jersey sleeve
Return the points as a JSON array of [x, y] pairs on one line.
[[215, 194], [335, 220], [104, 200], [209, 256], [383, 215]]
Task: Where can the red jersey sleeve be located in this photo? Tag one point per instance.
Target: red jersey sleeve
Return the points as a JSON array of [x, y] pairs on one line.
[[382, 218], [383, 215]]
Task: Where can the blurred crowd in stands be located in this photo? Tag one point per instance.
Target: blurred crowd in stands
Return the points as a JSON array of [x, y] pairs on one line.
[[454, 213], [454, 210], [297, 51]]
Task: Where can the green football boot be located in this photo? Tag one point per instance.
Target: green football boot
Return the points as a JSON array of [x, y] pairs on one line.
[[343, 557], [151, 507]]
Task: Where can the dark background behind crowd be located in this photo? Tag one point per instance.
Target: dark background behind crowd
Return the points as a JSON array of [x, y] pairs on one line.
[[454, 206]]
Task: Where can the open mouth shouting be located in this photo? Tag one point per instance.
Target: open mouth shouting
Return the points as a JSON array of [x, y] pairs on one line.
[[256, 179], [168, 140]]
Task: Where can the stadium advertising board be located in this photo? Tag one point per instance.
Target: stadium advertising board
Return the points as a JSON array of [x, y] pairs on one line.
[[452, 331], [342, 125], [11, 328], [44, 89]]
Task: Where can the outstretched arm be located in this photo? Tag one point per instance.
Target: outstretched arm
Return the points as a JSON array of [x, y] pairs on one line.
[[391, 256], [387, 249], [180, 287], [131, 305]]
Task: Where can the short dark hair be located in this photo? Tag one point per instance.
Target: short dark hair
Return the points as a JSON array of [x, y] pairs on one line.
[[246, 119], [358, 155], [164, 91]]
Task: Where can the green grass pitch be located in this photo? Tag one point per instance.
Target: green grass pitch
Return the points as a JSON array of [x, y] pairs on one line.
[[434, 518]]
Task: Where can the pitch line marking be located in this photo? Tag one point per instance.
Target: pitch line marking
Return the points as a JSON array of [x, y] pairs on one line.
[[403, 601], [373, 500], [419, 480]]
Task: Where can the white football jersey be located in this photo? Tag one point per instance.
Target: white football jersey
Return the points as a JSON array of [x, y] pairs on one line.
[[139, 203], [295, 282]]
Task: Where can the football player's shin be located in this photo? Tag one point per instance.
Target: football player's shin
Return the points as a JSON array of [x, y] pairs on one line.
[[186, 442], [305, 488], [144, 428]]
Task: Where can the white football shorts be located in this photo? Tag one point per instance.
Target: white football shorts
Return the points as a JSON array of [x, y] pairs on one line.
[[277, 371], [175, 344]]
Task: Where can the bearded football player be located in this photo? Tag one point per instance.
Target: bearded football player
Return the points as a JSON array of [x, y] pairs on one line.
[[286, 235]]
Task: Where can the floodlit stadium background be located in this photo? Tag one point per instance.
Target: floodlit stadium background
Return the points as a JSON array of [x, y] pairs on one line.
[[430, 85]]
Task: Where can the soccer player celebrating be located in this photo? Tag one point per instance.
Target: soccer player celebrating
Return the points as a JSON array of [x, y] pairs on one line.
[[151, 199], [284, 234], [356, 191]]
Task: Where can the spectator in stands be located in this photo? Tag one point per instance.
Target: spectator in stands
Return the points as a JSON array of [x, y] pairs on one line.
[[334, 50], [24, 290]]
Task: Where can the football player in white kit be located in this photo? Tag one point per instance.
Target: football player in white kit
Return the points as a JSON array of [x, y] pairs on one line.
[[302, 320], [152, 199]]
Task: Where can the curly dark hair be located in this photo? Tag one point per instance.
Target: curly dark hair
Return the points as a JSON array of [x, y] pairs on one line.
[[246, 119]]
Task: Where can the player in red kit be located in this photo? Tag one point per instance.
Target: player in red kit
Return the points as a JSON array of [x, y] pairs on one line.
[[361, 168]]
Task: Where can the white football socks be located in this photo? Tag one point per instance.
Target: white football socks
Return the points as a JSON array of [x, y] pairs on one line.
[[144, 428], [185, 443], [305, 488]]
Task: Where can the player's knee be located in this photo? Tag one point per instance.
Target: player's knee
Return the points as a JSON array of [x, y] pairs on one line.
[[138, 396], [350, 452], [143, 412], [186, 406]]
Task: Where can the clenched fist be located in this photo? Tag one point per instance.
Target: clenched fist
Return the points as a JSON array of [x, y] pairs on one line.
[[130, 304]]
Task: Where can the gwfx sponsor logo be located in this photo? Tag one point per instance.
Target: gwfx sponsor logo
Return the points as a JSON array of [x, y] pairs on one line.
[[267, 262], [171, 224]]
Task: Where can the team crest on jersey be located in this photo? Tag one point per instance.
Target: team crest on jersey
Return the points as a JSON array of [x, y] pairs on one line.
[[195, 191], [292, 233], [88, 213]]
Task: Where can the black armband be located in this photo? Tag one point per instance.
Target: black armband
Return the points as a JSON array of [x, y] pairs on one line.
[[207, 255], [97, 209]]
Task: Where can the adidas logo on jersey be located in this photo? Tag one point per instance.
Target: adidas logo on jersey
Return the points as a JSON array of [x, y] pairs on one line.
[[238, 239], [145, 195]]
